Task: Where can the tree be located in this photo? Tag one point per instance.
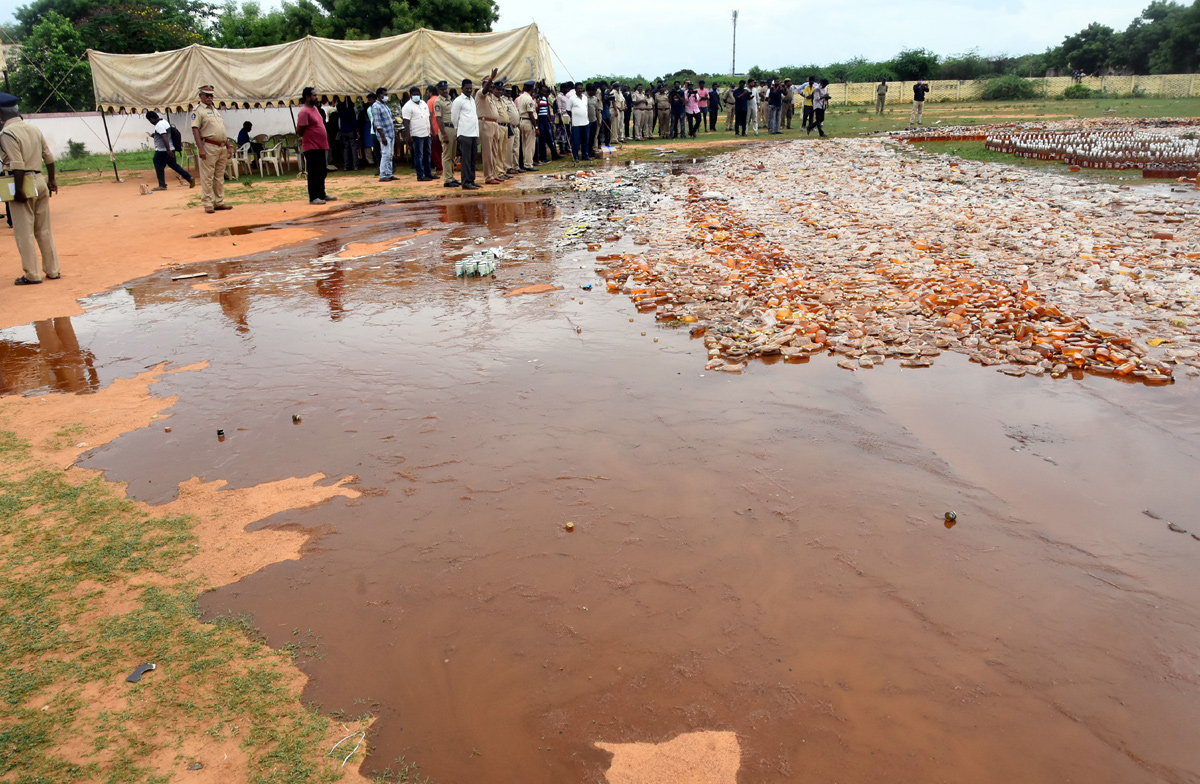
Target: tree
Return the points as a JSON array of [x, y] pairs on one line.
[[130, 27], [1180, 53], [353, 19], [913, 64], [1145, 36], [1089, 50], [50, 73]]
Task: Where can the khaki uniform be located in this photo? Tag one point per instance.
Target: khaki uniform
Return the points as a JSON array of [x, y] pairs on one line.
[[527, 108], [880, 97], [24, 149], [662, 107], [789, 104], [727, 100], [641, 115], [485, 108], [595, 115], [616, 120], [446, 134], [212, 166], [513, 150]]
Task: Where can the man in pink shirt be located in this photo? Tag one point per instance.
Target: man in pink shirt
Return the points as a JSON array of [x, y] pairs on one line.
[[314, 141], [691, 107]]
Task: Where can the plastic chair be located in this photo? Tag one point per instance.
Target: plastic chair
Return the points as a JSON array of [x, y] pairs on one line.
[[241, 157], [271, 157], [291, 142], [190, 155]]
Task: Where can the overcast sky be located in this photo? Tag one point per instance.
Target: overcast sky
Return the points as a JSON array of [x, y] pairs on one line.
[[652, 38]]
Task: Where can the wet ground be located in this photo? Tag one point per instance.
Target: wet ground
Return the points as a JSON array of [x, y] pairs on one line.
[[763, 553]]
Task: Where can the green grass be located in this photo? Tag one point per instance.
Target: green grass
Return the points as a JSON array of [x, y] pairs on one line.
[[66, 547], [976, 151], [99, 163]]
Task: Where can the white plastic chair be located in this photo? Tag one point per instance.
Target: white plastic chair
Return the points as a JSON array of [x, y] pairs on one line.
[[241, 157], [271, 157]]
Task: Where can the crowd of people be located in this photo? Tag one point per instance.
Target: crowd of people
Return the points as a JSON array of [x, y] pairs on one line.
[[509, 129]]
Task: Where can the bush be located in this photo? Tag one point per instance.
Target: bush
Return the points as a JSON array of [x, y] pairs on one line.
[[76, 149], [1009, 88], [1078, 91]]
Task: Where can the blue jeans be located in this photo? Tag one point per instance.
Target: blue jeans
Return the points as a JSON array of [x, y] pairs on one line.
[[422, 149], [579, 142], [349, 151], [164, 159], [386, 148]]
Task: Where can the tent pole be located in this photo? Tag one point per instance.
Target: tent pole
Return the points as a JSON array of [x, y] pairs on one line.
[[111, 155], [293, 113]]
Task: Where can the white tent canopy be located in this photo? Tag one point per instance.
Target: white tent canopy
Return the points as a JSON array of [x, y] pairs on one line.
[[275, 75]]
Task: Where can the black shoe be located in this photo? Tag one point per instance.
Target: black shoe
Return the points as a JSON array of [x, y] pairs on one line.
[[451, 184], [470, 186], [330, 198], [24, 281]]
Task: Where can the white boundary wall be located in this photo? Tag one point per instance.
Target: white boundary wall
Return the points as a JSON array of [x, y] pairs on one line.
[[130, 131]]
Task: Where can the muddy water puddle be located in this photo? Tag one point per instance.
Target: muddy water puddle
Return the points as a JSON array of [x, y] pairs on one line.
[[762, 553]]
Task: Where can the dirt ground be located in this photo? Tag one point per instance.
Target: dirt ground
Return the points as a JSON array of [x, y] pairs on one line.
[[110, 232]]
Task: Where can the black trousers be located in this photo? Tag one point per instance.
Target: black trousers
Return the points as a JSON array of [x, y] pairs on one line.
[[593, 129], [712, 117], [677, 127], [467, 147], [817, 121], [694, 122], [314, 166], [545, 141], [806, 118], [739, 122]]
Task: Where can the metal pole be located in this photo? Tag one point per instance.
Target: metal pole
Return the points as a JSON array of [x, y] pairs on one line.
[[111, 155], [733, 64]]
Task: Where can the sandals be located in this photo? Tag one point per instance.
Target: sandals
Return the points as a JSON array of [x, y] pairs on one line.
[[53, 277], [24, 281]]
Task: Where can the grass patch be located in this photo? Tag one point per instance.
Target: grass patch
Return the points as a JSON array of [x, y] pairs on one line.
[[90, 587], [976, 151]]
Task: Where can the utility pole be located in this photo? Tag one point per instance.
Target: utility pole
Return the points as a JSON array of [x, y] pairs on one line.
[[733, 65]]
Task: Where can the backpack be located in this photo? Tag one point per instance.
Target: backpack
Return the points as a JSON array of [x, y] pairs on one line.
[[176, 138]]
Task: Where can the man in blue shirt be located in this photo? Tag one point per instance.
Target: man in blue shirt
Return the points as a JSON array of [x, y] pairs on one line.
[[741, 105], [384, 126], [244, 139]]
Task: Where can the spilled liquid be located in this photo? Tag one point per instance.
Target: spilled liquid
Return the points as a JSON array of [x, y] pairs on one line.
[[757, 553]]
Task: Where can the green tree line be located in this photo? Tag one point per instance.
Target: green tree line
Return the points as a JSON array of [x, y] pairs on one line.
[[1164, 38], [51, 73]]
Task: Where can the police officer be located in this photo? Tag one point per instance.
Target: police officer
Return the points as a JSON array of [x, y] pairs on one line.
[[442, 109], [514, 131], [24, 150], [641, 112], [527, 108], [502, 143], [662, 110], [208, 129], [485, 108]]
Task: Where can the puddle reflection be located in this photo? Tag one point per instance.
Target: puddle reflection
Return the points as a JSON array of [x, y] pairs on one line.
[[55, 362]]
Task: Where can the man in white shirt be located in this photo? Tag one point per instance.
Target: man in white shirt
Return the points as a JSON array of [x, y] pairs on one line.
[[164, 152], [577, 107], [416, 122], [466, 123], [752, 108]]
